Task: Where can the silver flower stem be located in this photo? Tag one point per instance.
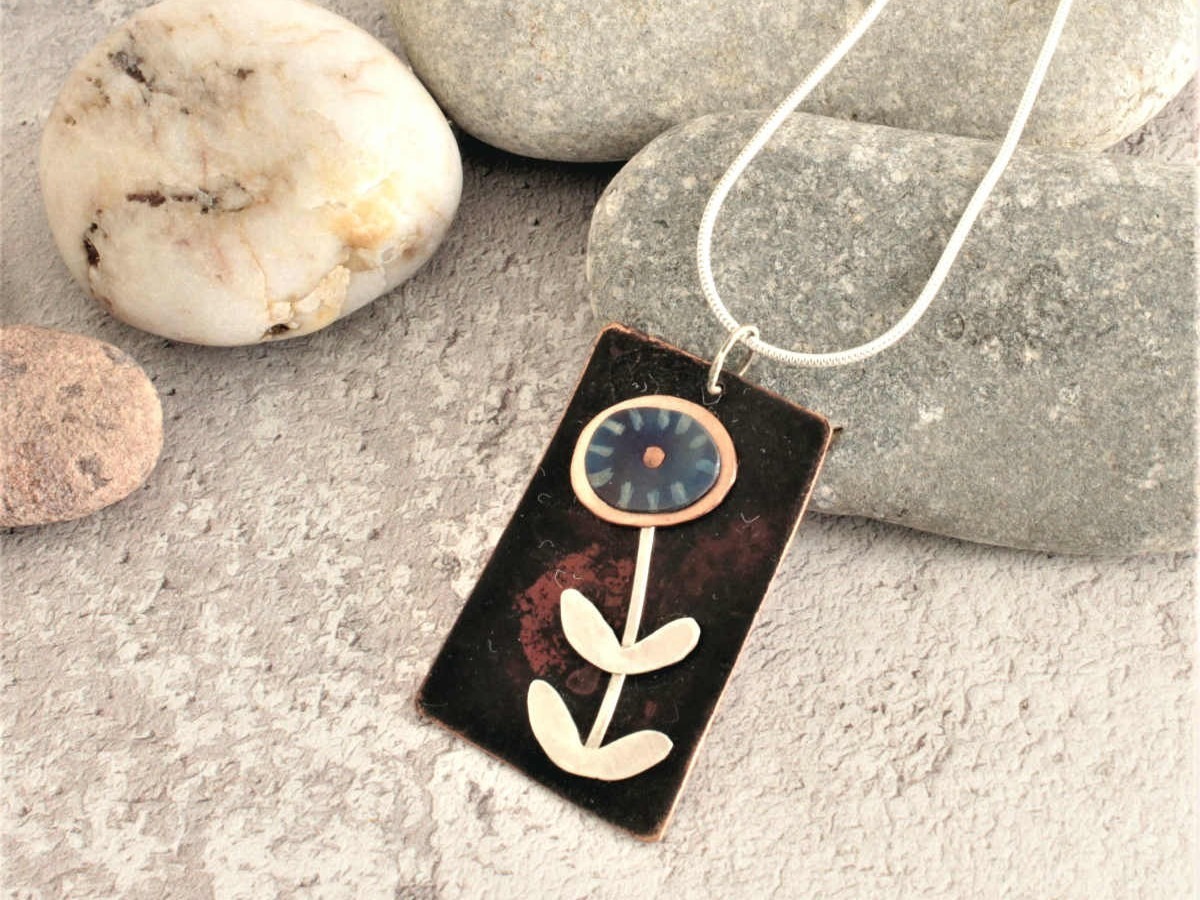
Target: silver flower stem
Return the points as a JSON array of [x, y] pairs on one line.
[[633, 622]]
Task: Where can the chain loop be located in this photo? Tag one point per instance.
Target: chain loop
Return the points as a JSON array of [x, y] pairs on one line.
[[741, 334]]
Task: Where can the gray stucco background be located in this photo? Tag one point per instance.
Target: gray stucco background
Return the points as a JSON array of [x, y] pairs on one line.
[[207, 689]]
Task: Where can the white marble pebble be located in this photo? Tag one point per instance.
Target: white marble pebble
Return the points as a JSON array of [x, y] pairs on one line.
[[226, 172]]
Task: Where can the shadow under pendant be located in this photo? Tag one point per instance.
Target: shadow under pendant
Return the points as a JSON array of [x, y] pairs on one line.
[[630, 474]]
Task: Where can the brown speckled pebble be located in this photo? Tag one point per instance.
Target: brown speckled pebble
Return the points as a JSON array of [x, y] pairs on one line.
[[80, 425]]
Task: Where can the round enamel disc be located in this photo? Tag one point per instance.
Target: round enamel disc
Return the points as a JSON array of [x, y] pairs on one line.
[[653, 461]]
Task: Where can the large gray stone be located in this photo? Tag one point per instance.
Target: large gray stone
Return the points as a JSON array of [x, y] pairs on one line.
[[598, 81], [1046, 399]]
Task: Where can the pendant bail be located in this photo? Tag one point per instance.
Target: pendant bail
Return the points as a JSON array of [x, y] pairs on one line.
[[737, 336]]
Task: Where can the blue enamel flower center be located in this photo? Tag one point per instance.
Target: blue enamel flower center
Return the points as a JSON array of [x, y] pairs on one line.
[[647, 459]]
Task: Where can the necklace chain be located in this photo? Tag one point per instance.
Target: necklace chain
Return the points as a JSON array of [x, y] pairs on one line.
[[953, 246]]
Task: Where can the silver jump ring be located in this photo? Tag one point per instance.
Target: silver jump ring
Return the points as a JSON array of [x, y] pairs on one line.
[[737, 336]]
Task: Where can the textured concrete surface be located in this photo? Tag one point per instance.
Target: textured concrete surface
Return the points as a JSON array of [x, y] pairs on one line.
[[207, 689], [1046, 399], [598, 81]]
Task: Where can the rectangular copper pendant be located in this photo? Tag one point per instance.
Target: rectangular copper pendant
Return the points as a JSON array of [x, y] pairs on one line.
[[595, 648]]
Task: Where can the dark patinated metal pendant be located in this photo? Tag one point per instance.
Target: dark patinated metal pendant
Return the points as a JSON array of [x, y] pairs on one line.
[[639, 518]]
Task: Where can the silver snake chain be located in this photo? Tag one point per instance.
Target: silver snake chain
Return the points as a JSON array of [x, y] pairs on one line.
[[748, 334]]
